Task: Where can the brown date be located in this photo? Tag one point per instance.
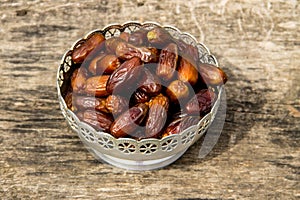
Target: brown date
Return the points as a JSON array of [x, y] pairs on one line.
[[159, 37], [138, 38], [107, 64], [112, 44], [124, 36], [96, 86], [150, 83], [189, 51], [93, 64], [157, 115], [91, 103], [78, 80], [98, 120], [177, 90], [139, 96], [69, 100], [201, 103], [116, 104], [128, 121], [167, 62], [127, 51], [212, 75], [82, 51], [187, 71], [180, 124], [124, 76]]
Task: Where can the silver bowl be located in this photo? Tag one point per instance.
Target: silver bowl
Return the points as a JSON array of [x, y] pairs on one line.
[[127, 153]]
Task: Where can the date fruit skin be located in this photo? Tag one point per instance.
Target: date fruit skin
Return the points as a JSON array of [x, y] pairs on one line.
[[78, 80], [187, 71], [69, 100], [124, 36], [129, 121], [107, 64], [111, 44], [92, 67], [116, 104], [159, 37], [127, 51], [177, 90], [180, 124], [157, 116], [188, 51], [96, 86], [90, 103], [212, 75], [138, 38], [81, 52], [124, 76], [150, 83], [167, 62], [139, 96], [201, 103], [98, 120]]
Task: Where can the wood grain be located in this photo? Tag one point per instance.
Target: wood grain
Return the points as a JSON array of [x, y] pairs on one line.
[[257, 155]]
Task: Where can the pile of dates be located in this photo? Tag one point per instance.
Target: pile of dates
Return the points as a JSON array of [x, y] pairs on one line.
[[144, 84]]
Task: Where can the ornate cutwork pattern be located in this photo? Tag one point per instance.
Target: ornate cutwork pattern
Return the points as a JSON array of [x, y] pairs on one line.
[[127, 148], [71, 120], [204, 124], [188, 135], [105, 141], [148, 148], [169, 144], [88, 134]]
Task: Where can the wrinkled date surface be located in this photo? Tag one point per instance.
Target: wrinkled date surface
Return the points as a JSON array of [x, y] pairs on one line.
[[157, 115], [167, 62], [124, 76], [201, 103], [144, 84], [116, 104], [127, 122], [98, 120]]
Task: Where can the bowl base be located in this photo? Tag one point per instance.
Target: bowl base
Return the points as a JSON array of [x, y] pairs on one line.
[[136, 165]]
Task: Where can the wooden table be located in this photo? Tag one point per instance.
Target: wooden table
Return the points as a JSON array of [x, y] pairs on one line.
[[257, 155]]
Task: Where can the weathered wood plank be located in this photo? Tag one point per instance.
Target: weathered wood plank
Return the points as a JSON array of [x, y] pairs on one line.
[[257, 155]]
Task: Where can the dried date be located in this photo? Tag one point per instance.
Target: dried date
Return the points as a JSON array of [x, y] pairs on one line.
[[157, 115], [150, 83], [188, 50], [127, 51], [201, 103], [78, 80], [96, 86], [212, 75], [107, 64], [159, 37], [177, 90], [90, 103], [81, 52], [139, 96], [124, 36], [98, 120], [124, 76], [69, 100], [129, 121], [116, 104], [138, 38], [187, 71], [167, 62], [93, 65], [180, 124]]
